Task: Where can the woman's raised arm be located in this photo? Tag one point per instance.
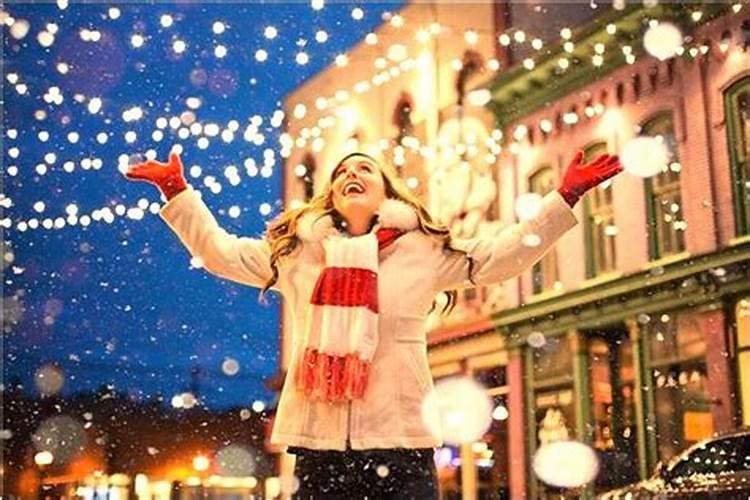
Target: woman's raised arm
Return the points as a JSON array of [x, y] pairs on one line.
[[241, 259], [517, 247]]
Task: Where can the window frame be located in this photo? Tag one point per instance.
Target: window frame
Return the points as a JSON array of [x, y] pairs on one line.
[[593, 265], [656, 242], [545, 272], [736, 164]]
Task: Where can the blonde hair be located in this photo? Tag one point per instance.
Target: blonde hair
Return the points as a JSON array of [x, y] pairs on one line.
[[282, 232]]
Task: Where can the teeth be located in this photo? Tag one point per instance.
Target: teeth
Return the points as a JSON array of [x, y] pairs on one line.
[[353, 186]]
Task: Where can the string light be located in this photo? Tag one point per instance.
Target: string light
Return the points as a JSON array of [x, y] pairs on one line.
[[270, 32], [504, 39]]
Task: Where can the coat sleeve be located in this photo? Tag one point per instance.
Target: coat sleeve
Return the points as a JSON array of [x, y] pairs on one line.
[[507, 254], [241, 259]]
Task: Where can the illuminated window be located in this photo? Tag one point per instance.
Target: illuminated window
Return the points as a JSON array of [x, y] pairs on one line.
[[402, 117], [681, 398], [737, 103], [599, 222], [663, 195], [544, 273]]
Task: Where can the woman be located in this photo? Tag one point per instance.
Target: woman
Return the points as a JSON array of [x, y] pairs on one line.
[[360, 267]]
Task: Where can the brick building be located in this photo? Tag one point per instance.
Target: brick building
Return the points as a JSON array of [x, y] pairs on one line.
[[630, 335]]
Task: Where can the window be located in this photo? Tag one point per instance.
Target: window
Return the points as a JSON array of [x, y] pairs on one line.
[[544, 272], [663, 195], [612, 388], [553, 397], [737, 104], [491, 451], [682, 403], [472, 64], [402, 117], [599, 221]]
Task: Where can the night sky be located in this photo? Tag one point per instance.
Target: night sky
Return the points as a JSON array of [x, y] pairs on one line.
[[94, 281]]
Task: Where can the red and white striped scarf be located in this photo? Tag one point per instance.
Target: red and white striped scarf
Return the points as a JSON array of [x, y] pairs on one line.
[[341, 332]]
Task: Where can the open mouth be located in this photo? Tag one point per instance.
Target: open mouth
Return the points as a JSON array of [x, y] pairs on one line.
[[353, 188]]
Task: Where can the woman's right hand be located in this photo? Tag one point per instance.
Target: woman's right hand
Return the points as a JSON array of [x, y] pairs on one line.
[[168, 177]]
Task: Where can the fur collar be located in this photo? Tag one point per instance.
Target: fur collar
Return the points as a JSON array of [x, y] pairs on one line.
[[392, 213]]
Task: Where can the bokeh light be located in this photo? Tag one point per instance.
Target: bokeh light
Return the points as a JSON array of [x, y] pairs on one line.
[[645, 156], [566, 464], [462, 408]]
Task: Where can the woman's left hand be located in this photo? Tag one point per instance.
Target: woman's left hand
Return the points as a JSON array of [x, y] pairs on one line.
[[580, 177]]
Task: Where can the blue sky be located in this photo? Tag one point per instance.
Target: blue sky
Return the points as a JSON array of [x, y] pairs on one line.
[[116, 301]]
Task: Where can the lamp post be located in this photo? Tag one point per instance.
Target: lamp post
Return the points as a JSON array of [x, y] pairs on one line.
[[43, 459], [200, 464]]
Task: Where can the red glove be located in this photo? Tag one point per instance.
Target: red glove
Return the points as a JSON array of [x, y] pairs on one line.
[[168, 177], [579, 178]]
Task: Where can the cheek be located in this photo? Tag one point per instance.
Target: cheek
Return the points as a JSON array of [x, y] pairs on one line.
[[336, 200], [379, 190]]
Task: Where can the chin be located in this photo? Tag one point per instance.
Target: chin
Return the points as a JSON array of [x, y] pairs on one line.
[[357, 207]]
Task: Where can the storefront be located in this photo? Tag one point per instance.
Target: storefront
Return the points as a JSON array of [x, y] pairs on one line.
[[742, 311], [675, 345]]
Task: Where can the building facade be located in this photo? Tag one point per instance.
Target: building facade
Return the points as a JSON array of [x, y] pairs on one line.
[[633, 334]]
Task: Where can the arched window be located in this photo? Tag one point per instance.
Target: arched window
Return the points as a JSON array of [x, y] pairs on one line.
[[737, 109], [663, 194], [402, 116], [308, 175], [544, 273], [599, 221], [472, 63]]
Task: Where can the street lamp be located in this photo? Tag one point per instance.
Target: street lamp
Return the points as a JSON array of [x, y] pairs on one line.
[[43, 459], [200, 464]]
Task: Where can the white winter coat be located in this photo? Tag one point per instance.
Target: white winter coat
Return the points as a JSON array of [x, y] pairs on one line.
[[413, 270]]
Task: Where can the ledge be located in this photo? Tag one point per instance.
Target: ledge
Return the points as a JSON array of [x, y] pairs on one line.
[[519, 92]]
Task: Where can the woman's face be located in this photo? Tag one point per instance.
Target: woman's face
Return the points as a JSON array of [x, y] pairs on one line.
[[357, 188]]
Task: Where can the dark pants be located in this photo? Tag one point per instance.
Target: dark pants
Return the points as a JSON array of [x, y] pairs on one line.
[[395, 473]]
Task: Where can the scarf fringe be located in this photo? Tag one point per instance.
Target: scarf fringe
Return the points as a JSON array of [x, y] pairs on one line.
[[329, 377]]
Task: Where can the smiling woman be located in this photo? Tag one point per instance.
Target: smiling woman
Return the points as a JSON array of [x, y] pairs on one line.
[[358, 189], [353, 264]]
